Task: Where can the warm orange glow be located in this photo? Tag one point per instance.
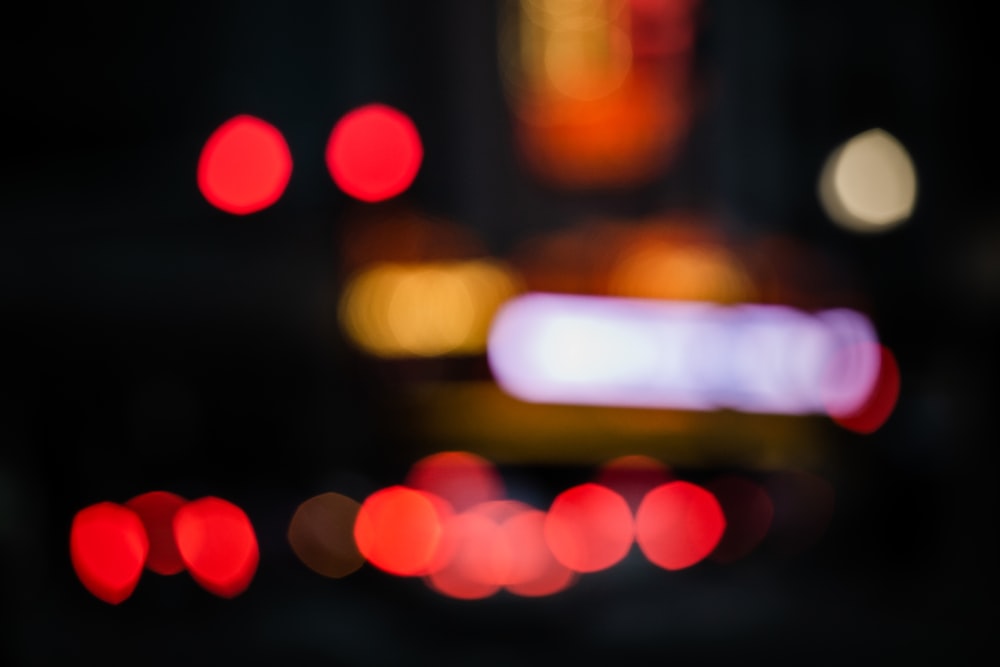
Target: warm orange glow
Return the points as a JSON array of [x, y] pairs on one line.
[[617, 141], [321, 534], [748, 511], [218, 545], [402, 235], [599, 88], [399, 530], [680, 258], [425, 310], [157, 510], [678, 524], [108, 547], [245, 166], [461, 478], [374, 152], [680, 272], [589, 528]]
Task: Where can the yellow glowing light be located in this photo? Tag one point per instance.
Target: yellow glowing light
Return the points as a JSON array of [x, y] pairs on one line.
[[869, 184], [589, 62], [425, 310]]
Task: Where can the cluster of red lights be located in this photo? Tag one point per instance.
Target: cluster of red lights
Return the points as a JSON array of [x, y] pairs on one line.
[[373, 153], [449, 524], [213, 539]]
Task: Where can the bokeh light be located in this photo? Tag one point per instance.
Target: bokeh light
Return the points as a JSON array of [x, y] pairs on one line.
[[748, 511], [244, 166], [399, 530], [321, 533], [599, 89], [217, 544], [461, 478], [374, 152], [157, 510], [678, 524], [425, 310], [869, 184], [660, 269], [534, 570], [497, 545], [633, 476], [870, 414], [477, 558], [554, 348], [589, 528], [403, 235], [108, 548]]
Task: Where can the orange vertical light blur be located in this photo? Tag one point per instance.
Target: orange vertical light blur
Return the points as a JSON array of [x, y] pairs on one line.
[[599, 88]]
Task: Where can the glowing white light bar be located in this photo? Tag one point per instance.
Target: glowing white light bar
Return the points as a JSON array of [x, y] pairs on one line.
[[555, 348]]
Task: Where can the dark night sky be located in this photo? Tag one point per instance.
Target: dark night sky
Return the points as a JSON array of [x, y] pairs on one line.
[[153, 342]]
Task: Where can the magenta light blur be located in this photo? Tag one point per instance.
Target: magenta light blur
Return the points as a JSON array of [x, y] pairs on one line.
[[584, 350]]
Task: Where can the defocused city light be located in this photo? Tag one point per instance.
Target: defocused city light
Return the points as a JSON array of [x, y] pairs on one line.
[[869, 184], [476, 560], [633, 476], [677, 257], [599, 88], [425, 310], [374, 152], [399, 530], [461, 478], [108, 548], [589, 528], [868, 415], [245, 166], [534, 571], [552, 348], [157, 510], [678, 524], [321, 534], [218, 545], [679, 273]]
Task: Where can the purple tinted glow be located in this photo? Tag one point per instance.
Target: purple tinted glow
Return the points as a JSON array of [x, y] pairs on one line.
[[555, 348]]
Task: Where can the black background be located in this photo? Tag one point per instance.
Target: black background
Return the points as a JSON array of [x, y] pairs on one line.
[[151, 341]]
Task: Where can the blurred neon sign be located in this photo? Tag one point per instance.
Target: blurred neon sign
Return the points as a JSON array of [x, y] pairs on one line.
[[557, 348]]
